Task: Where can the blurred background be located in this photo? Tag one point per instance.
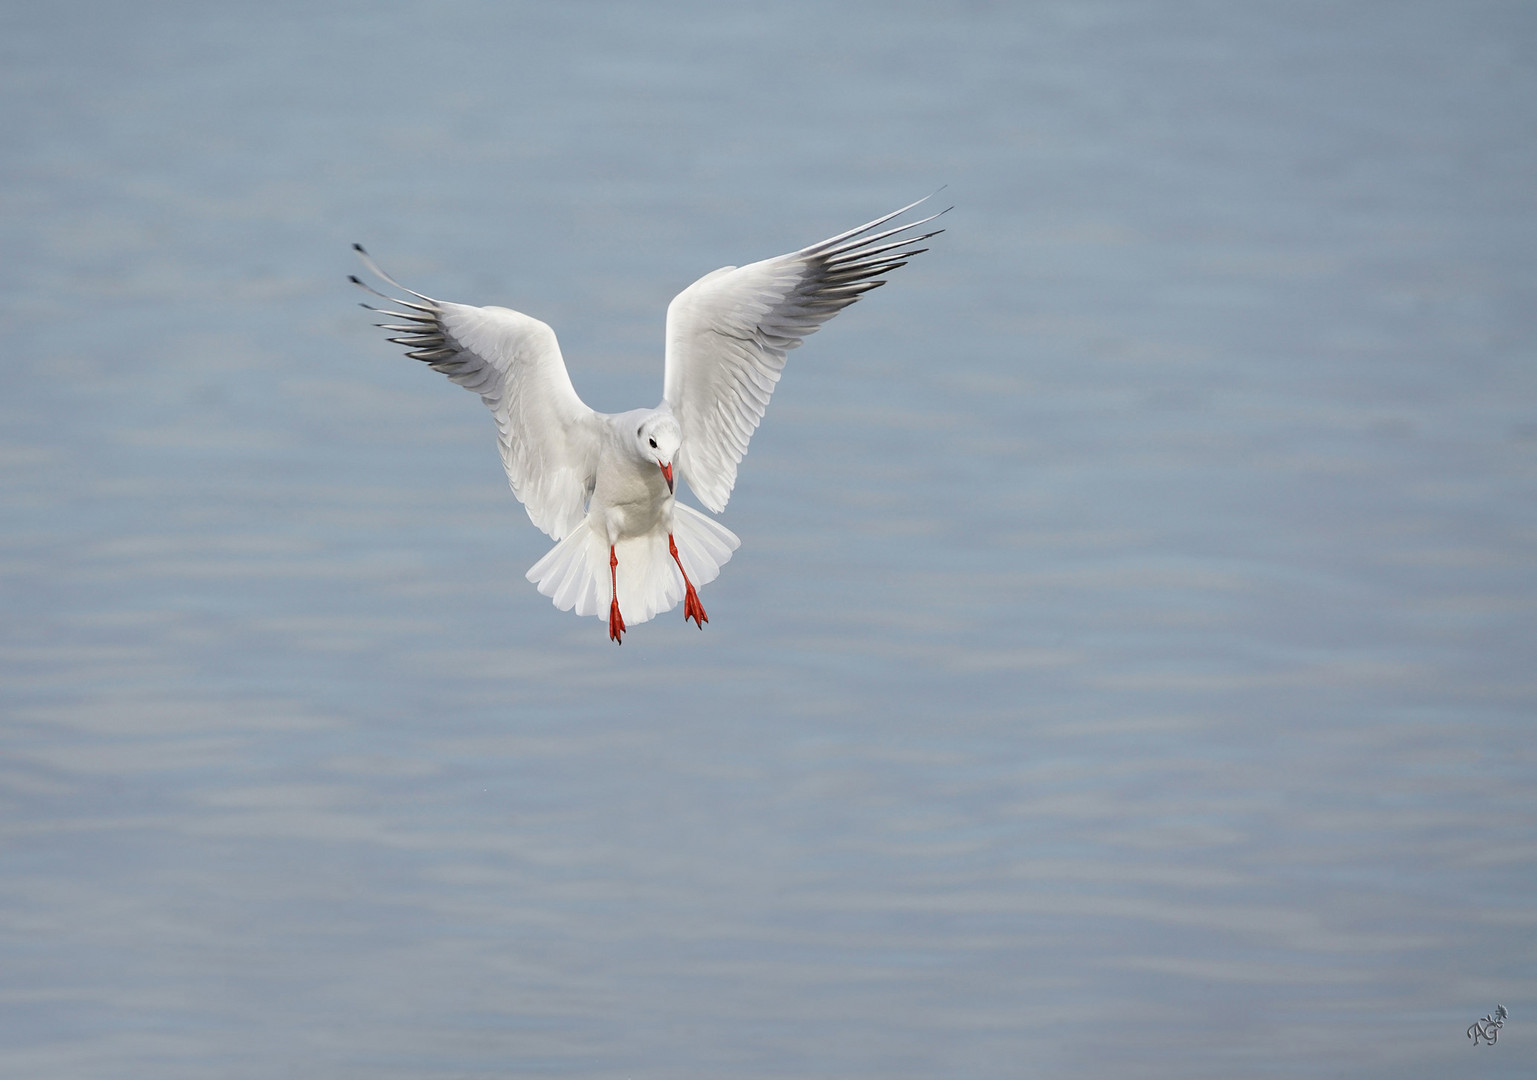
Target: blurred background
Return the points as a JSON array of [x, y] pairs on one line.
[[1128, 667]]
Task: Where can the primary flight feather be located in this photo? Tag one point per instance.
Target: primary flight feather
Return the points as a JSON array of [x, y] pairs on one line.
[[603, 484]]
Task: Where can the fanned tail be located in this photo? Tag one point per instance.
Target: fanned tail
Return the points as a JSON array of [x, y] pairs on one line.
[[569, 574], [704, 544], [575, 572]]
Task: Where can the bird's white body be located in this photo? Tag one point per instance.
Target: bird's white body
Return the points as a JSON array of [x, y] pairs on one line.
[[631, 496], [630, 518], [602, 484]]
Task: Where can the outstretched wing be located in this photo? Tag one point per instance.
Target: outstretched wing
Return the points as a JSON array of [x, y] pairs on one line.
[[549, 438], [728, 332]]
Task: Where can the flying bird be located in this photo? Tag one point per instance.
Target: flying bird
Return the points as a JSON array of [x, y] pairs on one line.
[[604, 485]]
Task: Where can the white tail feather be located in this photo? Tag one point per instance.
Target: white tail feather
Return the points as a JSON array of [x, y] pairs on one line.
[[704, 544], [575, 572]]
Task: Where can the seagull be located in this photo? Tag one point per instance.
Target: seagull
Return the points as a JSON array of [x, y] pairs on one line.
[[603, 485]]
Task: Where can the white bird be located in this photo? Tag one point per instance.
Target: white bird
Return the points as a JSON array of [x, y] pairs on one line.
[[602, 484]]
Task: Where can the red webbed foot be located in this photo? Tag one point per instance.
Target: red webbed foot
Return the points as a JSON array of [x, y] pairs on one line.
[[692, 608], [615, 620]]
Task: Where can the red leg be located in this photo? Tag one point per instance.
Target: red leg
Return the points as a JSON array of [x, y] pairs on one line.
[[692, 608], [615, 620]]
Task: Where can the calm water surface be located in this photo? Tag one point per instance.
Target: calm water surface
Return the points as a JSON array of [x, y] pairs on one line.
[[1127, 670]]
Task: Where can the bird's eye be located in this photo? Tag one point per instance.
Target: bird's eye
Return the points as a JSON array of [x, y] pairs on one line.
[[653, 443]]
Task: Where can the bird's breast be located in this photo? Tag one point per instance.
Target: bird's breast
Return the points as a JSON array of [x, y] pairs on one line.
[[626, 502]]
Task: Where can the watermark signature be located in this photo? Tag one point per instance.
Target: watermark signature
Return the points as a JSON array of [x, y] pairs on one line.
[[1488, 1028]]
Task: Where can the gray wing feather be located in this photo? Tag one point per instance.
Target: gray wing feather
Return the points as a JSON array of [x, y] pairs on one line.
[[549, 438], [728, 333]]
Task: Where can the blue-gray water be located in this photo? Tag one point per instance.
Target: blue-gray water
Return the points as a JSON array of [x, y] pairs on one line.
[[1128, 668]]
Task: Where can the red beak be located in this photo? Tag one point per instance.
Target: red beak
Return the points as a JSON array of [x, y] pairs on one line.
[[667, 472]]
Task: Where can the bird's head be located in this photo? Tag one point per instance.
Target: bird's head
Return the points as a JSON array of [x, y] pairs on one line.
[[657, 440]]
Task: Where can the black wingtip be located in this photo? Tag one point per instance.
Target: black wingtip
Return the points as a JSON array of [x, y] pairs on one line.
[[359, 247]]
